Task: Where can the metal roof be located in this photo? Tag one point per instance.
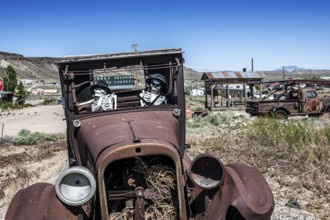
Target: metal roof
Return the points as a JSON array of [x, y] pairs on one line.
[[96, 57], [299, 81], [230, 76]]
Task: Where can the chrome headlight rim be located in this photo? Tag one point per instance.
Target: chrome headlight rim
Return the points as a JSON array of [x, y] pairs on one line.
[[80, 170]]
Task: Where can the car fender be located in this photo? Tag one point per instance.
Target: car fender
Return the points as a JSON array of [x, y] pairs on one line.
[[38, 202], [244, 189], [280, 108]]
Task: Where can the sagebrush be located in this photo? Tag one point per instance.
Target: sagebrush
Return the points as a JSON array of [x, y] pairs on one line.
[[26, 137]]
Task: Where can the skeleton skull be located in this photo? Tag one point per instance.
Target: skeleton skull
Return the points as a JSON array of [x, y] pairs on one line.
[[155, 86], [99, 92]]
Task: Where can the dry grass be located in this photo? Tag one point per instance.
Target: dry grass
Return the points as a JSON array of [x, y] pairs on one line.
[[22, 166], [161, 181], [292, 153]]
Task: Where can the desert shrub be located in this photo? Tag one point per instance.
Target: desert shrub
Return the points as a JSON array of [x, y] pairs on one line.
[[197, 122], [9, 105], [28, 105], [24, 132], [304, 142], [294, 134], [212, 120], [49, 100], [187, 89], [26, 137], [198, 108]]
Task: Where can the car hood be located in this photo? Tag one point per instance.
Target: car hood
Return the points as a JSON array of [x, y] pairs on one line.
[[104, 131]]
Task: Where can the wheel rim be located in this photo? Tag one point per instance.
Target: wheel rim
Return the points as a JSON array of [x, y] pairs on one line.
[[280, 115]]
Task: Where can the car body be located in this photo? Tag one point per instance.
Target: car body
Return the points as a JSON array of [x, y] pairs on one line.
[[130, 162]]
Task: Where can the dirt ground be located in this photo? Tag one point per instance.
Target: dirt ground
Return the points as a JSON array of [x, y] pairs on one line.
[[47, 119]]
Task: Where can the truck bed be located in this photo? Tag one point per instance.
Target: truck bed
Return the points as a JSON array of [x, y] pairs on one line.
[[264, 107]]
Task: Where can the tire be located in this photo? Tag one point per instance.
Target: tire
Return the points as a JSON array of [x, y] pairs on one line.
[[281, 114]]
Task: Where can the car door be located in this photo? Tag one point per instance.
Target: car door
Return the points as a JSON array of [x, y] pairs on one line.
[[310, 101]]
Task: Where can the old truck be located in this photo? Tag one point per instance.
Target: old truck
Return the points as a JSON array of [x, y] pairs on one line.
[[293, 100], [127, 150]]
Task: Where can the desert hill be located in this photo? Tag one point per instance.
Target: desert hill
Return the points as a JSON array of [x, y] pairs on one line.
[[45, 68], [37, 68]]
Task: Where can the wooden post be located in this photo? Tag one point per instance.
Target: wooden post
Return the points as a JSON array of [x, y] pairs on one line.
[[244, 92], [212, 100], [227, 96], [205, 86], [251, 91], [3, 125]]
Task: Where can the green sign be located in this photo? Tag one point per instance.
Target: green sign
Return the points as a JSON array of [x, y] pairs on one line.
[[127, 80]]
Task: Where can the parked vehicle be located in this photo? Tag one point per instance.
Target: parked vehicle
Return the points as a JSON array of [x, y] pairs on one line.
[[128, 154], [293, 101], [264, 94]]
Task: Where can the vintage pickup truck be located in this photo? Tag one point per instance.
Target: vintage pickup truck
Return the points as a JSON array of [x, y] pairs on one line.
[[293, 101], [127, 150]]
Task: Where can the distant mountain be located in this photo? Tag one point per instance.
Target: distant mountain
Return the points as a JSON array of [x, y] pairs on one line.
[[192, 74], [290, 68]]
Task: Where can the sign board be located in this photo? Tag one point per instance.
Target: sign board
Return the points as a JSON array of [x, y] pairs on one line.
[[125, 81], [1, 84]]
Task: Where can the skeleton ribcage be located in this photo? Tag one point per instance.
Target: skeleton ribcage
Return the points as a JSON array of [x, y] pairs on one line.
[[102, 103]]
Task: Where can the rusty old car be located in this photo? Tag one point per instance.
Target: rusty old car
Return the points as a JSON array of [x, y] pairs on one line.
[[127, 150]]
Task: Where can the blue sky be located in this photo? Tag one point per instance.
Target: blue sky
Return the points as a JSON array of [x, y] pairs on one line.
[[215, 34]]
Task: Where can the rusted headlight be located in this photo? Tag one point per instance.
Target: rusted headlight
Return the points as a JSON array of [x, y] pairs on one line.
[[75, 186], [206, 171]]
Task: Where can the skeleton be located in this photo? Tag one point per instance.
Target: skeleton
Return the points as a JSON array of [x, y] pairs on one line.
[[103, 101], [153, 97]]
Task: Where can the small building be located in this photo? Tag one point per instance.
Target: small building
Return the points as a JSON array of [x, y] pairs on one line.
[[36, 91], [219, 84], [27, 81], [50, 91], [197, 92]]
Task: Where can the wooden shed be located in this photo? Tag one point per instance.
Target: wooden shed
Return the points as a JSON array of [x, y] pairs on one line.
[[215, 80]]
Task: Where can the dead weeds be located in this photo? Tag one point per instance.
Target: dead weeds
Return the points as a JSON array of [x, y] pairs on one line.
[[301, 171], [21, 166]]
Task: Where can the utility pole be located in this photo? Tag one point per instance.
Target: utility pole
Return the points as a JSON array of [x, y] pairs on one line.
[[252, 65], [283, 72], [134, 46]]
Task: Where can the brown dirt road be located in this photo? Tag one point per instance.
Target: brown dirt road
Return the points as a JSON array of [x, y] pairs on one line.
[[46, 119]]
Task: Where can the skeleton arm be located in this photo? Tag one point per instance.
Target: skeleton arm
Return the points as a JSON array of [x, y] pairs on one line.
[[148, 98]]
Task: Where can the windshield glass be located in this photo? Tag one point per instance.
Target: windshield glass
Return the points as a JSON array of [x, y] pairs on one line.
[[116, 88]]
